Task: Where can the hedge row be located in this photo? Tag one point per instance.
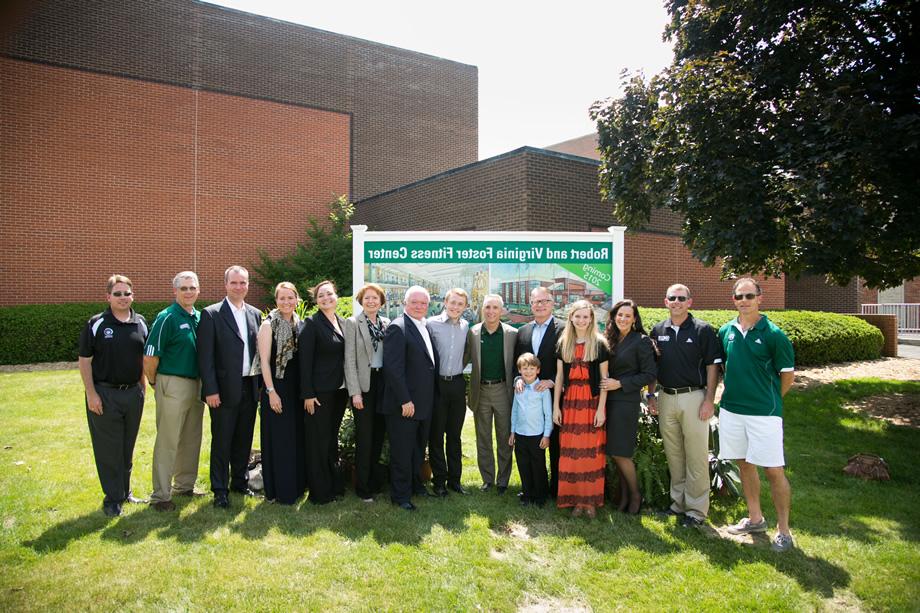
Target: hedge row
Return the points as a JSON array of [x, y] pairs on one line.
[[818, 338], [48, 333], [30, 334]]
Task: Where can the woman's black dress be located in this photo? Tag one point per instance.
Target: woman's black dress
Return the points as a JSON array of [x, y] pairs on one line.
[[283, 442]]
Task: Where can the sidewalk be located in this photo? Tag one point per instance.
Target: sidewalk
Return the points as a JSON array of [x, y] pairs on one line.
[[911, 351], [909, 339]]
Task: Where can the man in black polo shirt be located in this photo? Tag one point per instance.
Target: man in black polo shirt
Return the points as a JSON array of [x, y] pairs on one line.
[[112, 368], [688, 373]]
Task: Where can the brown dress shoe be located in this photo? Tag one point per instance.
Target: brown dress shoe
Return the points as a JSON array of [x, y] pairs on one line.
[[164, 506]]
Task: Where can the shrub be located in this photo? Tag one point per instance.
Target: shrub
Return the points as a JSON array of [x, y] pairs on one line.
[[818, 337], [49, 332]]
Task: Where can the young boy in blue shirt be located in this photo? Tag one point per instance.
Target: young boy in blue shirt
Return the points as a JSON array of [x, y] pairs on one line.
[[531, 425]]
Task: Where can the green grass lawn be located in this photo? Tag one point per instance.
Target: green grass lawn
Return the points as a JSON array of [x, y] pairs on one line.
[[858, 541]]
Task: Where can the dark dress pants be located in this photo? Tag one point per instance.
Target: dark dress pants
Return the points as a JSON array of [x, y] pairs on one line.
[[554, 462], [370, 430], [322, 431], [232, 426], [113, 435], [447, 422], [531, 461], [408, 438]]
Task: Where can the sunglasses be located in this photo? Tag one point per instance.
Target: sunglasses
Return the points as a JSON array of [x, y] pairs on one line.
[[745, 296], [120, 294], [677, 298]]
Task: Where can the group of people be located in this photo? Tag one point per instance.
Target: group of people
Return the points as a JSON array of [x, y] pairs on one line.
[[551, 384]]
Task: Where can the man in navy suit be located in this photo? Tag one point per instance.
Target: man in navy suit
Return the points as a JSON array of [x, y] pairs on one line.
[[226, 351], [539, 338], [410, 367]]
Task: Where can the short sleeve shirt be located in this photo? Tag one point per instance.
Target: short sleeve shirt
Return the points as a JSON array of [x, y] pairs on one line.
[[686, 353], [174, 340], [753, 362], [116, 347]]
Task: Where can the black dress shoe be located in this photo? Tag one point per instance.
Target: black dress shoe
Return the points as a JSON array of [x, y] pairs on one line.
[[667, 511], [406, 506], [485, 487], [501, 489], [111, 509], [221, 500], [457, 488], [423, 491], [440, 491], [524, 501]]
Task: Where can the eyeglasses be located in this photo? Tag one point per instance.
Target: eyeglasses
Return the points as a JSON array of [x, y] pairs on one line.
[[544, 301], [745, 296], [120, 294], [677, 298], [190, 288]]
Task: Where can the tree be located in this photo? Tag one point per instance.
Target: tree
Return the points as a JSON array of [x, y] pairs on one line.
[[785, 132], [325, 255]]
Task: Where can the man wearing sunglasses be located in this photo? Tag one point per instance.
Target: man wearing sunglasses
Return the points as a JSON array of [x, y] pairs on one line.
[[759, 363], [111, 366], [688, 373], [171, 365]]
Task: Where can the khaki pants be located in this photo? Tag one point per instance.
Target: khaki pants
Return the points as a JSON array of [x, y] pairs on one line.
[[686, 445], [494, 406], [178, 443]]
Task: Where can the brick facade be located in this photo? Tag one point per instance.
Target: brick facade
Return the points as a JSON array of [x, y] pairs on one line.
[[532, 189], [148, 179], [231, 128], [812, 292]]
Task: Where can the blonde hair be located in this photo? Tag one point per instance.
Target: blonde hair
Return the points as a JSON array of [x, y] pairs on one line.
[[527, 359], [287, 285], [565, 346], [116, 279], [457, 291]]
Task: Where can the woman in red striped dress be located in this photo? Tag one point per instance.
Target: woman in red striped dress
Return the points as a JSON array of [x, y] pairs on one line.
[[579, 410]]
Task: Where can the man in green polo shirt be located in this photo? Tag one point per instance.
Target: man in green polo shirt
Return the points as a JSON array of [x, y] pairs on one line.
[[490, 348], [171, 365], [759, 364]]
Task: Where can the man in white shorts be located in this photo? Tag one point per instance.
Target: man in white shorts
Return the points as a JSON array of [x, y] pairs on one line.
[[759, 364]]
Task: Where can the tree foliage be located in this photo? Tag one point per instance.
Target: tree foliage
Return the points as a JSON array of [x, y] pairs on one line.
[[326, 254], [785, 132]]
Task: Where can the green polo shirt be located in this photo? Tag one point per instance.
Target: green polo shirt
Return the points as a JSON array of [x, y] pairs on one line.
[[753, 362], [174, 339], [493, 355]]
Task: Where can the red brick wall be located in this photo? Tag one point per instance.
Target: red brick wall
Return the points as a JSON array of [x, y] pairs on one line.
[[653, 262], [115, 184], [912, 290], [867, 295], [813, 293]]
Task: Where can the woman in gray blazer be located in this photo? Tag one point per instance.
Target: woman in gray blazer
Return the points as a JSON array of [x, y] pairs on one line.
[[364, 380]]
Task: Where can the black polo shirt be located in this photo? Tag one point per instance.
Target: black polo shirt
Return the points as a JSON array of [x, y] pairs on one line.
[[686, 353], [117, 347]]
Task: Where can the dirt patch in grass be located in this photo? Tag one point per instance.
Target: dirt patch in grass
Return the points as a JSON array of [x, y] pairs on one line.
[[899, 409], [894, 369]]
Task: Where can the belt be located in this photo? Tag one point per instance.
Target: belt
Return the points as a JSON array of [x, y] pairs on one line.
[[680, 390], [450, 377], [492, 381], [116, 386]]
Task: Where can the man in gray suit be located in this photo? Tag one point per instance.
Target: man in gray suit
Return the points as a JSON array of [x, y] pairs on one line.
[[490, 347], [226, 351]]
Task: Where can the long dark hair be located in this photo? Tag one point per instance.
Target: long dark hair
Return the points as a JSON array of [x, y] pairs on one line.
[[613, 333]]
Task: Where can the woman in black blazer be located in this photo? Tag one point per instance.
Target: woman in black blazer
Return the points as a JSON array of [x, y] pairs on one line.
[[322, 386], [631, 367]]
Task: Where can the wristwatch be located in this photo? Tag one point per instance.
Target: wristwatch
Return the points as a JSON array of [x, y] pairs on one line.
[[269, 389]]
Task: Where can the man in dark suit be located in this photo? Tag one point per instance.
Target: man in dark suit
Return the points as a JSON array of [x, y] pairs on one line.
[[539, 338], [410, 367], [226, 352]]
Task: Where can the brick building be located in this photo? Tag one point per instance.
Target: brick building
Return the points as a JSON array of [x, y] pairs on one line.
[[150, 137], [531, 189]]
